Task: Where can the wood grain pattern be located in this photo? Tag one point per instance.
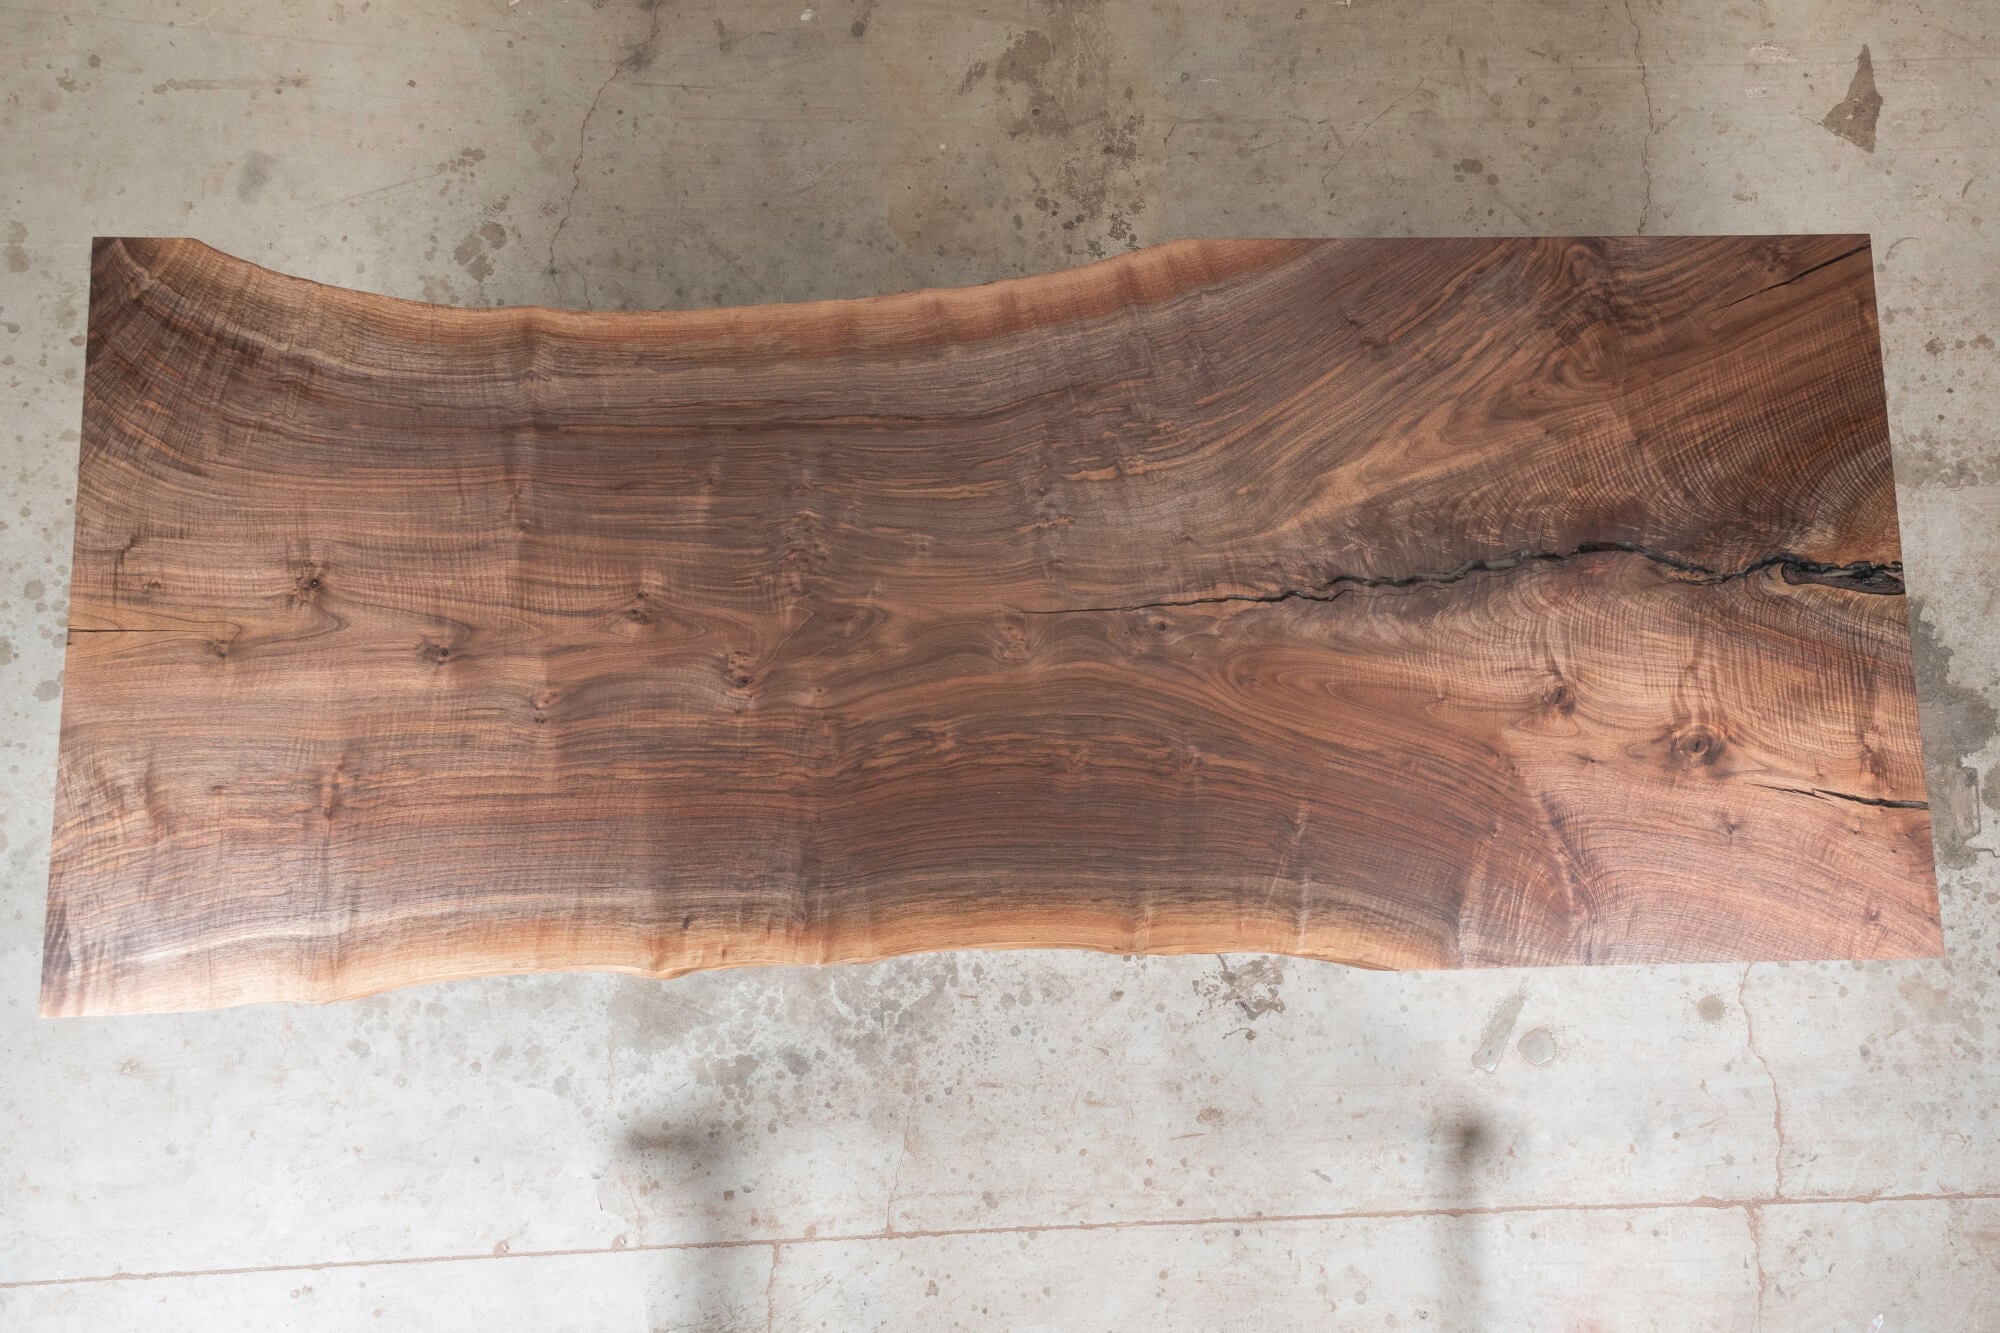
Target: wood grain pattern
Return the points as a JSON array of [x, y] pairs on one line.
[[1416, 604]]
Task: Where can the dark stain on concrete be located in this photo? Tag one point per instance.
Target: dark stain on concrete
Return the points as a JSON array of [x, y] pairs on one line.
[[276, 85], [1253, 987], [647, 49], [254, 176], [1943, 1005], [1025, 58], [471, 256], [1934, 461], [1855, 116], [1070, 129], [1468, 1138], [1024, 64], [1991, 787], [1120, 139], [1957, 721]]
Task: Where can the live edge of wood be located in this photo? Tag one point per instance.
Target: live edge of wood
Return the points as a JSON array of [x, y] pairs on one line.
[[1416, 604]]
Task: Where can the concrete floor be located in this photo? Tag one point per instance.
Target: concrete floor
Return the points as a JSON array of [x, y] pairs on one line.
[[1028, 1141]]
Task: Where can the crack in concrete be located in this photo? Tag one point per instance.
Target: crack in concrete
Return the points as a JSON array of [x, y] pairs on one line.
[[896, 1178], [1882, 578], [1652, 124], [1753, 1217], [771, 1293], [638, 57], [1777, 1099], [1206, 1222], [1362, 133]]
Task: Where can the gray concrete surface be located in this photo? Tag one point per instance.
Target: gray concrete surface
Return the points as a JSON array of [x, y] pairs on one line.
[[1030, 1141]]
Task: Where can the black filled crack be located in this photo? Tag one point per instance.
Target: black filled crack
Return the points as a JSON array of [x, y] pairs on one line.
[[1884, 578], [1823, 793], [1802, 273]]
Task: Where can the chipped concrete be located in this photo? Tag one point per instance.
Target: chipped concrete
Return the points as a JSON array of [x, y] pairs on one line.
[[1008, 1140]]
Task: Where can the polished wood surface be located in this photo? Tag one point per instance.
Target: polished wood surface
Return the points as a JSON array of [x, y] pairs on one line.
[[1419, 603]]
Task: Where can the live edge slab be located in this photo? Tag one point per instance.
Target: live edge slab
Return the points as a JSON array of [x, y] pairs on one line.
[[1406, 603]]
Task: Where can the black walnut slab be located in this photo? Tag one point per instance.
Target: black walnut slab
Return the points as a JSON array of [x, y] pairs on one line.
[[1409, 603]]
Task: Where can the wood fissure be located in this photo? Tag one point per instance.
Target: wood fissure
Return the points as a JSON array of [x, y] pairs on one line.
[[1865, 576], [1804, 273]]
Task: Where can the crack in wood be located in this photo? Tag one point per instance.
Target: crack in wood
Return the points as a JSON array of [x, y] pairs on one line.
[[1802, 273], [1825, 793], [1883, 578]]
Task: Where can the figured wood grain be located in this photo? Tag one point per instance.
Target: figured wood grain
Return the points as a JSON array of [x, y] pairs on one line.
[[1417, 604]]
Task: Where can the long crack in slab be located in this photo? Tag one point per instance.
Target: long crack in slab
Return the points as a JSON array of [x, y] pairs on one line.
[[1882, 578], [1828, 794], [1802, 273]]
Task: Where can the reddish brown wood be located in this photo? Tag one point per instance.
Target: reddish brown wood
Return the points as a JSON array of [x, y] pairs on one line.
[[1408, 603]]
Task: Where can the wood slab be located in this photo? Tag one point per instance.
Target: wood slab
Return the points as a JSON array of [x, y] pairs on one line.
[[1408, 603]]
